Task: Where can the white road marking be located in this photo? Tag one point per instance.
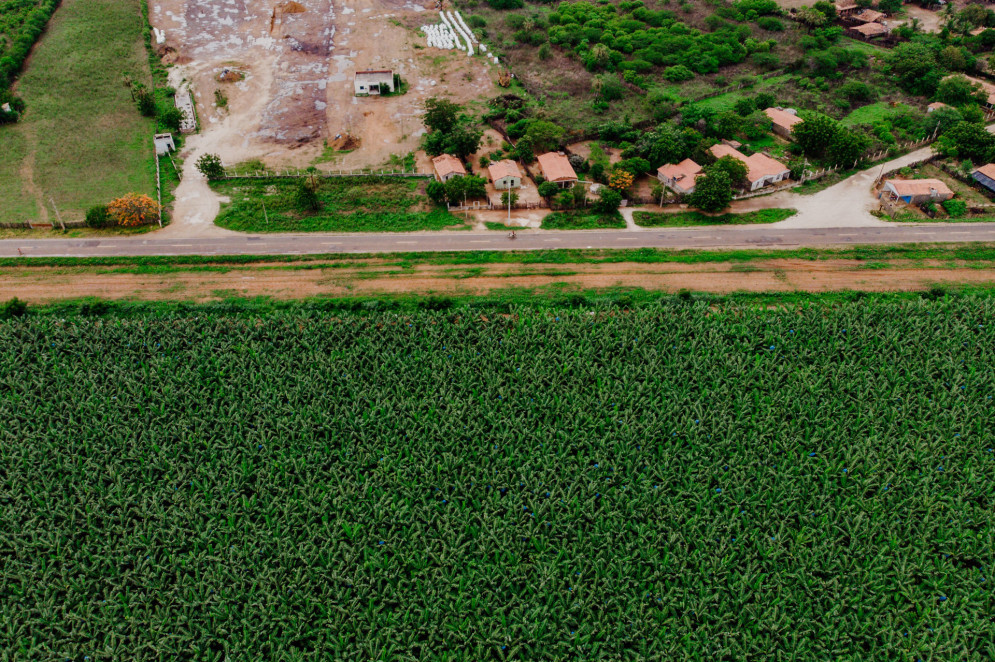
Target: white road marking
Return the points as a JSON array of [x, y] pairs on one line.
[[331, 243], [407, 242], [480, 241], [181, 245]]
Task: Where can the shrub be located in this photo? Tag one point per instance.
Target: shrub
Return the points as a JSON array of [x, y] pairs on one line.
[[133, 210], [13, 308], [956, 208], [169, 117], [608, 201], [506, 4], [211, 167], [678, 73], [306, 195], [97, 217], [770, 23]]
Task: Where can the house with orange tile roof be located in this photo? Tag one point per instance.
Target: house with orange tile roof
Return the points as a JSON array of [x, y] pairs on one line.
[[505, 174], [761, 170], [916, 191], [679, 177], [782, 120], [555, 167], [447, 166]]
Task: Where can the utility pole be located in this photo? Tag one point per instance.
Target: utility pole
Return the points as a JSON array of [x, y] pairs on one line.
[[57, 215], [265, 217]]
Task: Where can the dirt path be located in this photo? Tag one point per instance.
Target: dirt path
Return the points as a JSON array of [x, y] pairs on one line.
[[27, 174], [44, 284]]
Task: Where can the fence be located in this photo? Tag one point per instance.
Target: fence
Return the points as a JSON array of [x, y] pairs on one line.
[[481, 206], [297, 174], [158, 182], [28, 225]]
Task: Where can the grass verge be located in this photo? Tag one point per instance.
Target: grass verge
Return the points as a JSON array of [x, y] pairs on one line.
[[348, 204], [582, 219], [649, 219]]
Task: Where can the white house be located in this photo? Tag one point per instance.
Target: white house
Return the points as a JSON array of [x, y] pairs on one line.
[[373, 82]]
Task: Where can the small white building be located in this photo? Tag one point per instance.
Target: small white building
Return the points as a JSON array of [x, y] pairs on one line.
[[505, 174], [163, 143], [373, 82]]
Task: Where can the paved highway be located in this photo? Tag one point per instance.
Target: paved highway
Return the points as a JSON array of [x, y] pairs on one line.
[[701, 238]]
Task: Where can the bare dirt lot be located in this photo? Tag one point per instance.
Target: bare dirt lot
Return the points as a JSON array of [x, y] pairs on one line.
[[298, 60], [377, 277]]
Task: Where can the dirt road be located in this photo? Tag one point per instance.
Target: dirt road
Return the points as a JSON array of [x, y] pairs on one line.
[[373, 278]]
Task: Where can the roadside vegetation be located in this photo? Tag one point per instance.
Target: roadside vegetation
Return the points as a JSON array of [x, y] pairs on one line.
[[692, 218], [570, 441], [334, 204], [581, 219], [81, 141]]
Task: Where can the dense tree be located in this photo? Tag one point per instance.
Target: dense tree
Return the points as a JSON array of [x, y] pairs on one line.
[[847, 147], [712, 190], [463, 140], [960, 91], [914, 66], [441, 114], [306, 194], [814, 134], [608, 201], [545, 135], [733, 167]]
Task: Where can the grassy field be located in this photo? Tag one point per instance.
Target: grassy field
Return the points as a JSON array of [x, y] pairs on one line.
[[869, 114], [682, 219], [349, 204], [581, 219], [81, 141], [682, 480]]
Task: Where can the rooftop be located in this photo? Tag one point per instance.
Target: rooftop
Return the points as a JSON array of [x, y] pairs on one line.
[[501, 169], [904, 187], [782, 117], [988, 170], [556, 167], [758, 165], [679, 171], [447, 164], [869, 16], [871, 29]]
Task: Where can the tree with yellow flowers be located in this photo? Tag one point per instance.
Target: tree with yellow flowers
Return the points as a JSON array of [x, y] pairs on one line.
[[620, 180]]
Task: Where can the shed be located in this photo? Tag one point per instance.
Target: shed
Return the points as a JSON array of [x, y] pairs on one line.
[[868, 16], [783, 120], [869, 30], [447, 166], [936, 105], [505, 174], [373, 81], [679, 177], [916, 191], [846, 7], [556, 168], [163, 143], [985, 175]]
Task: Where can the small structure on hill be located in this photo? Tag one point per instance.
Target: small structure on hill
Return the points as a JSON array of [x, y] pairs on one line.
[[917, 191], [447, 166], [868, 16], [556, 168], [985, 175], [761, 170], [505, 174], [783, 120], [869, 31], [373, 82], [679, 177], [936, 105], [163, 143], [846, 7]]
